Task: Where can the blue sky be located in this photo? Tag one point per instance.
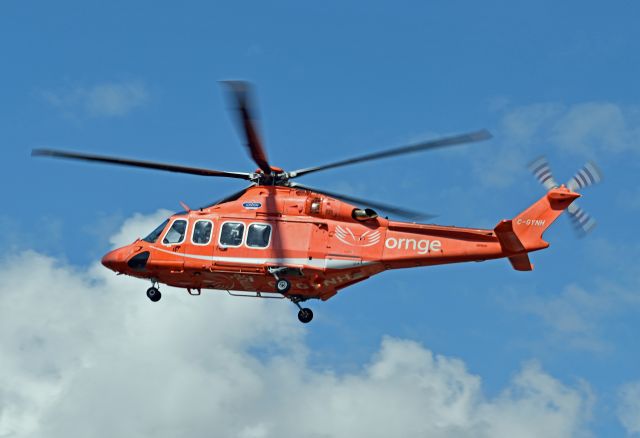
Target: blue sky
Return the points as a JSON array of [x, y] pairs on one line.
[[337, 79]]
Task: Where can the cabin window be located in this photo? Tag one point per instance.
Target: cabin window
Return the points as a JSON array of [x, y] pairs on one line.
[[202, 232], [153, 236], [231, 234], [258, 235], [176, 232]]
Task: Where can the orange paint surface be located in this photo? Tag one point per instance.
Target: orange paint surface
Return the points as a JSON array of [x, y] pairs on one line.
[[325, 248]]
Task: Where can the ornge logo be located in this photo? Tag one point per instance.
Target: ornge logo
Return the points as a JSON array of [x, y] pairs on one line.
[[346, 236], [422, 246]]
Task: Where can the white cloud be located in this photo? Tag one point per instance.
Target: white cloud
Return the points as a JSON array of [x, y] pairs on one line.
[[109, 99], [586, 130], [84, 353], [594, 127], [138, 226], [523, 125], [575, 316], [518, 132], [629, 406]]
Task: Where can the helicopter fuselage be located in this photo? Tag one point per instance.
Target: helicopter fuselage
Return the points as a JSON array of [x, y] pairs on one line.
[[320, 244]]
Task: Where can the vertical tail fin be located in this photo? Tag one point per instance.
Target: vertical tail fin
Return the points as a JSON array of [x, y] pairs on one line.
[[533, 222]]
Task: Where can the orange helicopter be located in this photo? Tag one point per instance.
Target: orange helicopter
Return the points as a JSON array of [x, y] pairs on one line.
[[279, 238]]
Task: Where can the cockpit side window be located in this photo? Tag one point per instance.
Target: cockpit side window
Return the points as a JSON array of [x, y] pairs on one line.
[[231, 234], [153, 236], [258, 235], [176, 233], [202, 232]]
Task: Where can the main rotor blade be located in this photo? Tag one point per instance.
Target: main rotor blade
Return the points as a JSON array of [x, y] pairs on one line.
[[409, 214], [136, 163], [431, 144], [242, 96]]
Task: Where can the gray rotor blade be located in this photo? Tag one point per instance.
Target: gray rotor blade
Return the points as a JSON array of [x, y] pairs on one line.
[[542, 171], [409, 214], [136, 163], [582, 222], [242, 97], [585, 177], [432, 144]]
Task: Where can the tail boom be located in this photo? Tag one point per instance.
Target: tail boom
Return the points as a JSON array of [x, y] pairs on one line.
[[410, 244]]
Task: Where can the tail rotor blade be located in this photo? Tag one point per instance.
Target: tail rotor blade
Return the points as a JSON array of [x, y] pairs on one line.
[[542, 171], [588, 175], [582, 222], [585, 177]]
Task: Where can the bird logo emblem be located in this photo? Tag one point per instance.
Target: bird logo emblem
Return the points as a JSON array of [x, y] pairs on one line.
[[368, 238]]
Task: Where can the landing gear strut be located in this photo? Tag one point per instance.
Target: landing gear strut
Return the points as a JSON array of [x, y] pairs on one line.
[[153, 293], [282, 284], [305, 315]]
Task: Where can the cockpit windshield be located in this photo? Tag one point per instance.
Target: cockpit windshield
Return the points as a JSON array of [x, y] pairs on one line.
[[153, 236]]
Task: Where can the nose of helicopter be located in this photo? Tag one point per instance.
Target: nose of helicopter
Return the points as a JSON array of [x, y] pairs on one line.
[[116, 259]]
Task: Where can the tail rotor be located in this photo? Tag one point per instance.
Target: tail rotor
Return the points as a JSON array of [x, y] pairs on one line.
[[542, 171], [587, 176]]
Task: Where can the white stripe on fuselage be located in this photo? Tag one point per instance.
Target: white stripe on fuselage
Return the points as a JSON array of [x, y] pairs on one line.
[[313, 263]]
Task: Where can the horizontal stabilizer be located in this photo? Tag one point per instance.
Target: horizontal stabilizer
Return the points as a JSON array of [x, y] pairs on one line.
[[521, 262], [511, 244], [507, 238]]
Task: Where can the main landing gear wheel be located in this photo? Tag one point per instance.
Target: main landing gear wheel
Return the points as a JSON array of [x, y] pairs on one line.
[[305, 315], [283, 286], [154, 294]]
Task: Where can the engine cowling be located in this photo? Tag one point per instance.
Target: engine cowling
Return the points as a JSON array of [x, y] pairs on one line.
[[330, 208]]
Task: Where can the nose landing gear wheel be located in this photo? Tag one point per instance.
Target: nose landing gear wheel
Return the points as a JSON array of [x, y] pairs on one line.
[[154, 294], [283, 286], [305, 315]]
